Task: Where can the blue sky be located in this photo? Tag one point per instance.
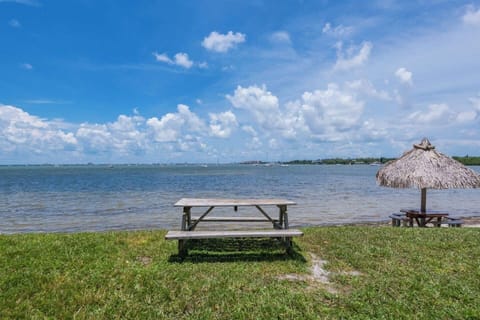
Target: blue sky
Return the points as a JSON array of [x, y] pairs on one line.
[[207, 81]]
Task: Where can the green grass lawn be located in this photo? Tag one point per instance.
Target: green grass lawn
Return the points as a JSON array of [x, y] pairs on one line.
[[407, 273]]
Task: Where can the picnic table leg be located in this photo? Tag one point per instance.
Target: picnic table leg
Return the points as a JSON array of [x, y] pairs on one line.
[[394, 223], [289, 245], [182, 248], [280, 215], [285, 218], [186, 219], [419, 222], [186, 222], [284, 225], [423, 222]]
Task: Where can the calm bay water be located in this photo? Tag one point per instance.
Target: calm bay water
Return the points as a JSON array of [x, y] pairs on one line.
[[93, 198]]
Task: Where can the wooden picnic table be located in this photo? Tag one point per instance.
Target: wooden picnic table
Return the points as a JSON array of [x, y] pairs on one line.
[[189, 223], [423, 218]]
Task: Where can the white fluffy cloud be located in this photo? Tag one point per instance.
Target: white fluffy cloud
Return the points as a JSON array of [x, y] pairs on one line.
[[20, 130], [435, 114], [125, 136], [472, 16], [322, 114], [338, 31], [175, 132], [266, 111], [365, 87], [281, 37], [222, 124], [172, 126], [441, 115], [327, 112], [95, 137], [466, 116], [371, 130], [180, 59], [254, 143], [163, 57], [353, 56], [260, 102], [254, 98], [404, 76], [166, 129], [250, 130], [222, 42], [475, 101]]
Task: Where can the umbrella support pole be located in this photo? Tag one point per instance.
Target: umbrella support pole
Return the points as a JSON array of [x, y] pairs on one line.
[[423, 202], [423, 206]]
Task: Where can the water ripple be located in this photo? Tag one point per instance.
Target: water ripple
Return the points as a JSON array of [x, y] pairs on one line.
[[70, 199]]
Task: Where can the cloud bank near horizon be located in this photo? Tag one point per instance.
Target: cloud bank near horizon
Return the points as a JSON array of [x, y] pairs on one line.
[[256, 120]]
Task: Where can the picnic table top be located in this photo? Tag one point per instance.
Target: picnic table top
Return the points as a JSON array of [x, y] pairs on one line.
[[428, 212], [216, 202]]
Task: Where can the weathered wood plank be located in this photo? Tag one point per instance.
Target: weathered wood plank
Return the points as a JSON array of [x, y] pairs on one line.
[[198, 202], [182, 235], [233, 219]]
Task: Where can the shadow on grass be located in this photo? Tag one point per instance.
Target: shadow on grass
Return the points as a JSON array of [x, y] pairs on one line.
[[234, 250]]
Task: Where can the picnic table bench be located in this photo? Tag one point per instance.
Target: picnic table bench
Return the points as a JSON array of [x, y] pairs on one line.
[[280, 226]]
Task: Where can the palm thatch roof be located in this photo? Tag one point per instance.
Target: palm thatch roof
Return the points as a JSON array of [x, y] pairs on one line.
[[423, 167]]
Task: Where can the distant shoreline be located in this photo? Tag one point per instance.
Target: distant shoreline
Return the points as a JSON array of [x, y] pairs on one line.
[[466, 160]]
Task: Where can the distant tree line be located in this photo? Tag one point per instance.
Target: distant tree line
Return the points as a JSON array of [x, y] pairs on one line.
[[466, 160], [342, 161]]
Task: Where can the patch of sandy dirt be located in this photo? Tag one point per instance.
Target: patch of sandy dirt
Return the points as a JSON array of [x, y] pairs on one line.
[[318, 275], [144, 260]]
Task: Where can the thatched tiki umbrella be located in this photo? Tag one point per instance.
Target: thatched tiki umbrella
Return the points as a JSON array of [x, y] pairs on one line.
[[423, 167]]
